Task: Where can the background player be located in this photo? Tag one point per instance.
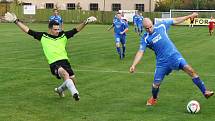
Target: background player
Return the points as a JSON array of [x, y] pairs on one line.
[[191, 22], [211, 25], [120, 29], [57, 18], [140, 24], [135, 20]]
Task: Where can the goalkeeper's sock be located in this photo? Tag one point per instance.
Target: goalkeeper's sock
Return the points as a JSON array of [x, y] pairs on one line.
[[200, 84], [155, 92], [62, 87], [71, 87]]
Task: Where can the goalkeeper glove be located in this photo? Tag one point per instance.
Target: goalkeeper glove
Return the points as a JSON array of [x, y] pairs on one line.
[[10, 17], [90, 19]]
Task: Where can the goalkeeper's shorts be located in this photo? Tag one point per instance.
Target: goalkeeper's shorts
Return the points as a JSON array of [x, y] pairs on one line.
[[61, 63]]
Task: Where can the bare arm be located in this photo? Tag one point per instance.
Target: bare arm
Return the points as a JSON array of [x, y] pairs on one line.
[[22, 26], [182, 19], [81, 26], [110, 27], [137, 59], [11, 17]]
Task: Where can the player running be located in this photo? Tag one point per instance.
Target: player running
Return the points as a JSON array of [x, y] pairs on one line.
[[140, 24], [168, 58], [57, 18], [53, 44], [120, 29], [211, 25], [191, 22], [135, 20]]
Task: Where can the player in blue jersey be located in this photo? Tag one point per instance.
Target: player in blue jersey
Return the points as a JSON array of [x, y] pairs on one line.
[[168, 58], [140, 24], [57, 18], [120, 29], [135, 19]]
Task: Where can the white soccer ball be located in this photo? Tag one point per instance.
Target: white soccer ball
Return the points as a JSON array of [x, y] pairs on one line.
[[193, 106]]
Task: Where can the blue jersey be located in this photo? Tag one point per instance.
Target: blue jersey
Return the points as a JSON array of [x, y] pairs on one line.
[[119, 26], [135, 19], [57, 19], [159, 42], [114, 18], [140, 20]]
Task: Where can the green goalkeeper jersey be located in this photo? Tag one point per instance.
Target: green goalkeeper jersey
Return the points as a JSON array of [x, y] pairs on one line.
[[54, 47]]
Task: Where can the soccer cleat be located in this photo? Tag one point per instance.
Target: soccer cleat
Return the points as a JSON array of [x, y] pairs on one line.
[[60, 93], [76, 97], [151, 101], [208, 94]]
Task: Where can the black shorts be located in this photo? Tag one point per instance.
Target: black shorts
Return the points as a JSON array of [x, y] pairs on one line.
[[61, 63]]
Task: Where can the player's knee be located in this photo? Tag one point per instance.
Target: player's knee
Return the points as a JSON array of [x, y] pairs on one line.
[[73, 79], [156, 85], [117, 45], [63, 73]]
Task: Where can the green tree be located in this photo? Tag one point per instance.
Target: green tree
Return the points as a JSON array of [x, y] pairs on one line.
[[210, 5], [166, 5], [202, 4], [163, 5]]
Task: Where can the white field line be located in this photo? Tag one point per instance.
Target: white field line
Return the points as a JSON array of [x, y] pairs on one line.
[[105, 71]]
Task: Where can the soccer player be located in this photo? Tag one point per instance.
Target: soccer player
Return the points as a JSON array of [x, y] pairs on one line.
[[135, 20], [191, 22], [168, 58], [140, 24], [53, 44], [114, 18], [57, 18], [120, 29], [211, 25]]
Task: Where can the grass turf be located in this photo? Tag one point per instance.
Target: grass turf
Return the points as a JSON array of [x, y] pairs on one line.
[[108, 92]]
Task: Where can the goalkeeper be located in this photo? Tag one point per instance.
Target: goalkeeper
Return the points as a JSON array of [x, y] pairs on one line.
[[53, 44]]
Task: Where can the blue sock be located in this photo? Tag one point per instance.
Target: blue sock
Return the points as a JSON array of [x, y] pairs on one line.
[[200, 84], [118, 50], [123, 49], [155, 92]]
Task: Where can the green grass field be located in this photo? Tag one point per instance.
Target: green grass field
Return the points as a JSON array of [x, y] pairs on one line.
[[108, 91]]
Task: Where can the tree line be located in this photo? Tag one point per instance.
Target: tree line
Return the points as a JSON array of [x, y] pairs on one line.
[[166, 5]]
